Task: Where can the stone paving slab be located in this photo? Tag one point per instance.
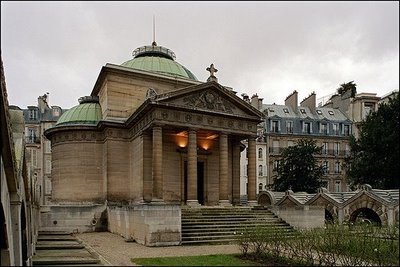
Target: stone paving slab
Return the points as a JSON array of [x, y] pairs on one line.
[[116, 251]]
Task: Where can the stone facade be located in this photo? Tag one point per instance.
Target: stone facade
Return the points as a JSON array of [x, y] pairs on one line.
[[163, 142]]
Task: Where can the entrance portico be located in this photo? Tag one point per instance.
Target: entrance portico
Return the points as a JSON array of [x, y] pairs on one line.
[[196, 136]]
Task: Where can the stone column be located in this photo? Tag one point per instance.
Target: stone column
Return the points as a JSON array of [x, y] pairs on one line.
[[236, 173], [157, 164], [223, 169], [390, 217], [146, 167], [192, 169], [252, 174], [340, 215]]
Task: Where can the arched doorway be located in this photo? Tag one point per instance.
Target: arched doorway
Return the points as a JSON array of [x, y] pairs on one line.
[[264, 200], [328, 217], [5, 253], [365, 216]]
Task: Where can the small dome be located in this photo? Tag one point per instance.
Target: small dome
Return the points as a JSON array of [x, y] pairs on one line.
[[159, 60], [87, 112]]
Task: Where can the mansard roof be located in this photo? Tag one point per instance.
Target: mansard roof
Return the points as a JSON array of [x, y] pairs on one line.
[[283, 111]]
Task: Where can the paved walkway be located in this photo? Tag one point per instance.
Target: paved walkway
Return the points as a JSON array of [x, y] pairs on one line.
[[114, 250]]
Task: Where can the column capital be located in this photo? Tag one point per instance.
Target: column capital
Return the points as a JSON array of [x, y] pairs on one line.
[[192, 129], [157, 125]]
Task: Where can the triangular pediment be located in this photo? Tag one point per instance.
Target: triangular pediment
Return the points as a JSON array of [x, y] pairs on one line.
[[209, 97]]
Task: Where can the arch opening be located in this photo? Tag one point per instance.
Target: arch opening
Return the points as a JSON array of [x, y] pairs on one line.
[[264, 200], [365, 216]]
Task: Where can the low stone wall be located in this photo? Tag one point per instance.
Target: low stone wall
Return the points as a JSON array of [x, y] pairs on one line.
[[73, 217], [301, 217], [147, 224]]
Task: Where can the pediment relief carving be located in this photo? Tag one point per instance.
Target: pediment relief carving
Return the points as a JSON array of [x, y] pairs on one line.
[[209, 100]]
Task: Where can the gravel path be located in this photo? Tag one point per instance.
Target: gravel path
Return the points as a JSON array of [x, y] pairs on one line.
[[116, 251]]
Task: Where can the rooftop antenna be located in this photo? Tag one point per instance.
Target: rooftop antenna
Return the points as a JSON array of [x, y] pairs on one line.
[[154, 31]]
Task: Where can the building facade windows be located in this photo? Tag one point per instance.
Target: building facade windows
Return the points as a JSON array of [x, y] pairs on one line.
[[336, 148], [260, 187], [337, 167], [307, 127], [289, 126], [335, 128], [325, 148], [260, 154], [323, 129], [326, 167], [368, 108], [33, 114], [260, 170], [275, 127], [346, 130], [276, 165], [31, 137], [338, 186]]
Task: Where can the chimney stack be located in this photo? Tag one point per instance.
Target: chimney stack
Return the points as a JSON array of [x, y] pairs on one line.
[[254, 101], [309, 102], [292, 101]]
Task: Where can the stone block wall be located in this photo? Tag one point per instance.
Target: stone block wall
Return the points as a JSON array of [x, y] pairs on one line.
[[148, 224], [302, 217], [73, 218]]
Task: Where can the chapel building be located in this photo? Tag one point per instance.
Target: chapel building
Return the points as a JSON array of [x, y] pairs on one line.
[[152, 137]]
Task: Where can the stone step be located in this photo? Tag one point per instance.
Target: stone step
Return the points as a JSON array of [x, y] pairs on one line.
[[226, 212], [207, 242], [218, 222], [225, 225], [67, 244], [63, 256], [233, 228], [229, 216], [54, 232], [246, 218], [55, 237], [60, 248]]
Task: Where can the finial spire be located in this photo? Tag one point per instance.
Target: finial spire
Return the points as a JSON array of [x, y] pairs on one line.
[[154, 31]]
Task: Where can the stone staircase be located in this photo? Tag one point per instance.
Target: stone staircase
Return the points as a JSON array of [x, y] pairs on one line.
[[57, 248], [221, 225]]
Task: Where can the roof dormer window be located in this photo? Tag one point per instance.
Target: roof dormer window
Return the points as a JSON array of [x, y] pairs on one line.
[[286, 110], [330, 112], [319, 112], [303, 111]]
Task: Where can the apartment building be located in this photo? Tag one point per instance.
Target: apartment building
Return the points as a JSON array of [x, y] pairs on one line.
[[38, 148], [285, 124]]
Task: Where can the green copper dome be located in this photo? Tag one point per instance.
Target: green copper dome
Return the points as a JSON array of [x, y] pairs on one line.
[[159, 60], [87, 112]]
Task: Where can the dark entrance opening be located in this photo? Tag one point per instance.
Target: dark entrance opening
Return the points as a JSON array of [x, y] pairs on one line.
[[200, 182], [328, 217], [365, 216]]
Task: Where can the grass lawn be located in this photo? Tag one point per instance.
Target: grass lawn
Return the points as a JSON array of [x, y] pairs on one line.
[[205, 260], [216, 260]]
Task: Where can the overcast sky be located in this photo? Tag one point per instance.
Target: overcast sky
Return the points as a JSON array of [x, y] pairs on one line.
[[269, 48]]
